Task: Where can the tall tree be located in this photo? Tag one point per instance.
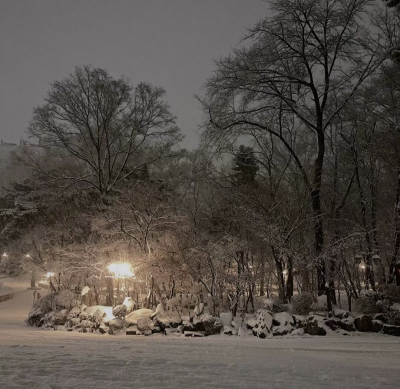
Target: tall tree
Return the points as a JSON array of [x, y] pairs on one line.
[[302, 66], [112, 129]]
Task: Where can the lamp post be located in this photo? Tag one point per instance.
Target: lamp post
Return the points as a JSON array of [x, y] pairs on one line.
[[120, 271]]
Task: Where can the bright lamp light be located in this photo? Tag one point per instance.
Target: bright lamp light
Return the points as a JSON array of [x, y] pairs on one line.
[[121, 270]]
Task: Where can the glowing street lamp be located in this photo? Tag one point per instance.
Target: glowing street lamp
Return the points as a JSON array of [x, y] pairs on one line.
[[120, 270]]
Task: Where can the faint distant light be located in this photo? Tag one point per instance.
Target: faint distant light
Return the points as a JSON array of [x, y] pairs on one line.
[[27, 256], [362, 266], [285, 272], [5, 255], [50, 274]]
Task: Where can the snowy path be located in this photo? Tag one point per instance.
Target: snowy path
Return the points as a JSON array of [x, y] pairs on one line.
[[47, 359]]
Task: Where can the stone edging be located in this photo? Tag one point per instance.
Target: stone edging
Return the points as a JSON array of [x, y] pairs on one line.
[[8, 296]]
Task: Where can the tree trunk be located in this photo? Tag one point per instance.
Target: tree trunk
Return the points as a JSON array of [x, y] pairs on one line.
[[317, 213], [396, 244]]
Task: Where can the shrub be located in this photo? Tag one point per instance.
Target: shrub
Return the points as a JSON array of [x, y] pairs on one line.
[[367, 303], [275, 305], [391, 293], [46, 303], [119, 311], [302, 303], [65, 300]]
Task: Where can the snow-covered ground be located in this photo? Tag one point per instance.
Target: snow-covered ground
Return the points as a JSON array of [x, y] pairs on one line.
[[48, 359]]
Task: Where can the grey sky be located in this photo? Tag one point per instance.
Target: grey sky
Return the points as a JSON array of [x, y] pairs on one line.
[[169, 43]]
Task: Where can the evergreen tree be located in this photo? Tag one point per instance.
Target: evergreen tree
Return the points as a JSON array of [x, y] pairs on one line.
[[246, 168]]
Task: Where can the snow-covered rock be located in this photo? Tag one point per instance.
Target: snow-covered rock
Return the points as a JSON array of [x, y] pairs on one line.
[[262, 329], [282, 330], [297, 332], [314, 326], [115, 324], [251, 322], [299, 320], [134, 316], [363, 323], [106, 311], [283, 319], [129, 303], [226, 318], [377, 326], [144, 323], [74, 313], [228, 330], [391, 330], [35, 317], [212, 325], [340, 313]]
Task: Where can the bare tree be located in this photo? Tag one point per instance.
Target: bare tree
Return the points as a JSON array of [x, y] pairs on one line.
[[302, 67], [111, 128]]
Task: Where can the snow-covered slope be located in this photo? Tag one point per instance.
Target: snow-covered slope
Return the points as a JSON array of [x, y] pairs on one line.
[[48, 359]]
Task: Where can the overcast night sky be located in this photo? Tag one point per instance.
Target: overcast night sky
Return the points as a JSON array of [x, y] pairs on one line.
[[169, 43]]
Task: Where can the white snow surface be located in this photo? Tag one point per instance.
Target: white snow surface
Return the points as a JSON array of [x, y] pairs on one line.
[[47, 359]]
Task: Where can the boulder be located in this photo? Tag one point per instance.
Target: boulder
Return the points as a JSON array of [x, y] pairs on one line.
[[299, 320], [187, 326], [250, 323], [228, 330], [297, 332], [115, 324], [226, 318], [377, 326], [157, 330], [35, 317], [332, 323], [313, 326], [83, 315], [282, 330], [391, 330], [87, 324], [340, 313], [346, 324], [134, 316], [171, 331], [381, 317], [54, 319], [283, 319], [198, 325], [212, 325], [74, 322], [264, 324], [103, 329], [74, 313], [363, 323], [145, 324], [129, 303]]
